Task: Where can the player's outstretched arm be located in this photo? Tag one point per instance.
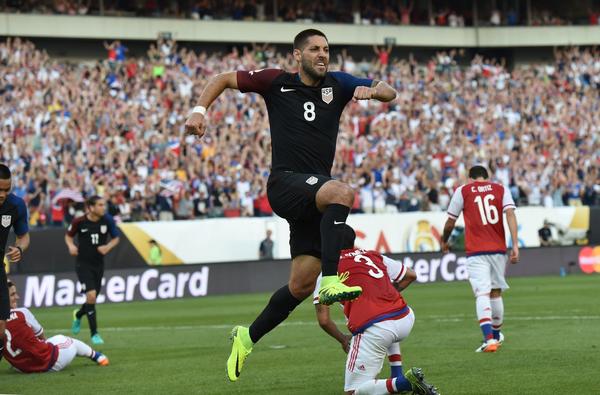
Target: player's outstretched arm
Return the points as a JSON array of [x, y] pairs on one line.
[[511, 219], [383, 92], [196, 123], [448, 227], [330, 327], [379, 90]]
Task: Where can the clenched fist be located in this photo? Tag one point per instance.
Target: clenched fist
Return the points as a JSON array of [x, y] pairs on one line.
[[195, 125], [363, 93]]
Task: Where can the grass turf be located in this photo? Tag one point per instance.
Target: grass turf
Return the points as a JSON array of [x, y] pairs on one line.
[[180, 346]]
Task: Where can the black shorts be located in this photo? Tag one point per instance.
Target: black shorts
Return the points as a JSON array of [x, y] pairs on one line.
[[293, 196], [90, 277], [4, 299]]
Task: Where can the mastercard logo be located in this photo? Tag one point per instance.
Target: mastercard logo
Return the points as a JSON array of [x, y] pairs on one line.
[[589, 259]]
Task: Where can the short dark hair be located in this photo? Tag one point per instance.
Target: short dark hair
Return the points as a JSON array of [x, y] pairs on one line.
[[304, 35], [478, 171], [348, 238], [4, 172], [92, 200]]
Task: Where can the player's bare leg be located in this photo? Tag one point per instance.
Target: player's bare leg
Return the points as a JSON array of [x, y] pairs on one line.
[[334, 199], [497, 314], [305, 270]]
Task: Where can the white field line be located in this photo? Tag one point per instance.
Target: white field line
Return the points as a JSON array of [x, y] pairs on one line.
[[309, 323]]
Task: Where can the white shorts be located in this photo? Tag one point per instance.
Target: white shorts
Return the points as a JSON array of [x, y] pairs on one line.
[[486, 272], [67, 351], [369, 349]]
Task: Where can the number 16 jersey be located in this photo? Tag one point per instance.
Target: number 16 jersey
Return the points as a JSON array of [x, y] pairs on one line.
[[482, 203]]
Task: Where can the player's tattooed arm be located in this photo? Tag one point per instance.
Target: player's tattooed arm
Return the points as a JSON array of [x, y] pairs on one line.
[[216, 85], [196, 123], [378, 90], [383, 91]]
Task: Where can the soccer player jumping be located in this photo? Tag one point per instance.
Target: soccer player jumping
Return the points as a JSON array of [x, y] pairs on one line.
[[304, 113], [483, 203]]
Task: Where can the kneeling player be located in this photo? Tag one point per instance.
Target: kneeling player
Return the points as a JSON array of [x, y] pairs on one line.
[[379, 319], [28, 351]]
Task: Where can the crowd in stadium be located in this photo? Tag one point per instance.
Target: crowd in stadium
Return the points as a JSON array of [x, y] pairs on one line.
[[386, 12], [115, 128]]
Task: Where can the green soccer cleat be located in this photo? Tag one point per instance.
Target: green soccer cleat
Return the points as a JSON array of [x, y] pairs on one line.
[[76, 324], [417, 381], [238, 355], [334, 290], [97, 340]]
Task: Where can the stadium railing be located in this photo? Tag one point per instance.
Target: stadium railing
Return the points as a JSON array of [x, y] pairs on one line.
[[90, 27]]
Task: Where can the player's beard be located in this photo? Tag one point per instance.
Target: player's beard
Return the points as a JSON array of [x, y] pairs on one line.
[[307, 66]]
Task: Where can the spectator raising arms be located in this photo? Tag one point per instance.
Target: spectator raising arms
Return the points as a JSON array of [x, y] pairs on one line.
[[115, 129]]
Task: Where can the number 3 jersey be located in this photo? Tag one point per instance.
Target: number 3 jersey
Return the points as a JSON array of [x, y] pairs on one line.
[[380, 300], [304, 120], [23, 350], [92, 235], [482, 204]]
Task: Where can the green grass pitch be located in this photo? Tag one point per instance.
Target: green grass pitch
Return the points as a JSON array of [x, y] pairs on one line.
[[552, 345]]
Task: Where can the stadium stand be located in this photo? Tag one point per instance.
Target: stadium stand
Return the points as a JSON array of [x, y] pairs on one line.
[[114, 128], [378, 12]]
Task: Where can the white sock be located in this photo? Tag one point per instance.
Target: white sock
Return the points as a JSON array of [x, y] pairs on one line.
[[373, 387], [484, 308], [395, 359], [83, 350], [484, 315], [394, 349], [497, 305]]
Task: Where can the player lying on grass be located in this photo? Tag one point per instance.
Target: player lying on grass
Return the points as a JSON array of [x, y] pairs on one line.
[[28, 351], [379, 320]]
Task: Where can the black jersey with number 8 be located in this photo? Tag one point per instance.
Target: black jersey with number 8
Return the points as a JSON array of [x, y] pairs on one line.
[[304, 120]]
